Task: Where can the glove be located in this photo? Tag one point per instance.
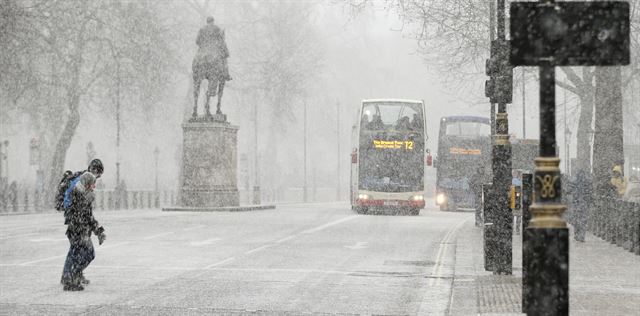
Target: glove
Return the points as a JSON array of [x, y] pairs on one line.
[[101, 238]]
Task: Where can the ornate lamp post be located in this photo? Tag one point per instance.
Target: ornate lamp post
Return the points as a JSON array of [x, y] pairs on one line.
[[549, 34]]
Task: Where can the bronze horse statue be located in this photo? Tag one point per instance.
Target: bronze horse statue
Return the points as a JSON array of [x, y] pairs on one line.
[[212, 67]]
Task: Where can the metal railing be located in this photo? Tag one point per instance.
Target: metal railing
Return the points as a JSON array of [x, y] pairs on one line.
[[31, 201], [616, 221]]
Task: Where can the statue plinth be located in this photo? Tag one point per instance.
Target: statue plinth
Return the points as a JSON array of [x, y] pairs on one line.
[[218, 118], [209, 164]]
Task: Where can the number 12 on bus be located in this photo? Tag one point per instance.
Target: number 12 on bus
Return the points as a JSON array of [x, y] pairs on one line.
[[388, 159]]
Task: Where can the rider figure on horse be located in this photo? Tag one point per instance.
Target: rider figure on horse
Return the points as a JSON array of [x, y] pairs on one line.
[[210, 63], [211, 44]]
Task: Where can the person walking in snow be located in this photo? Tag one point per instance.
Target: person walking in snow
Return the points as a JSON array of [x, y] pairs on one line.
[[80, 225]]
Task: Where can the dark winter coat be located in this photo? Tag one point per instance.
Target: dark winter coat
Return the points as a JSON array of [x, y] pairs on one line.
[[79, 217]]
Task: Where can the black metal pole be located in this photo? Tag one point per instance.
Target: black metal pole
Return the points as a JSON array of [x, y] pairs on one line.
[[547, 245], [503, 223], [527, 195], [488, 205], [524, 107]]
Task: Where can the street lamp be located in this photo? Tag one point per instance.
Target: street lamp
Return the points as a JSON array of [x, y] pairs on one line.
[[5, 156], [304, 156], [536, 25], [156, 153]]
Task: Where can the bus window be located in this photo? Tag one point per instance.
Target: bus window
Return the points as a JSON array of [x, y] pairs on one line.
[[392, 116], [467, 129]]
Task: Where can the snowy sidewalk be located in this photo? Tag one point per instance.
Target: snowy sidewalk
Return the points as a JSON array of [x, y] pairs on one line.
[[604, 279]]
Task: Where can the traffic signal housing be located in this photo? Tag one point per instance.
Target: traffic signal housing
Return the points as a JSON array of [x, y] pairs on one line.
[[499, 87]]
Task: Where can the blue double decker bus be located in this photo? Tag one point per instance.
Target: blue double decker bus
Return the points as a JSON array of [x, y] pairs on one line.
[[464, 147]]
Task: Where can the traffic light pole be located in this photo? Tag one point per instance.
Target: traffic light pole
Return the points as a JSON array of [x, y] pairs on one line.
[[503, 217], [488, 201]]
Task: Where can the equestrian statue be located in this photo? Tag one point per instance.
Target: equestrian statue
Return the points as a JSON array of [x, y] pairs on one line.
[[210, 63]]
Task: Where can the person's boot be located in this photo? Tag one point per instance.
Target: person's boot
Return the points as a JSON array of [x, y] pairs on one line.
[[72, 284], [83, 280], [73, 287]]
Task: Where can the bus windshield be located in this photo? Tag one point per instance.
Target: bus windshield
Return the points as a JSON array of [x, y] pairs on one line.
[[392, 147], [467, 129], [392, 116]]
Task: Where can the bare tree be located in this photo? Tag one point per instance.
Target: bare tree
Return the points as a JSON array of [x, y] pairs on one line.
[[281, 58], [454, 35], [71, 54]]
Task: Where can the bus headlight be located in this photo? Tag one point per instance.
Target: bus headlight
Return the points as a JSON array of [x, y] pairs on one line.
[[363, 196], [441, 198], [417, 198]]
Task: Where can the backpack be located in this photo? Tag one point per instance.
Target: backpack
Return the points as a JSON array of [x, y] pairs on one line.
[[63, 196]]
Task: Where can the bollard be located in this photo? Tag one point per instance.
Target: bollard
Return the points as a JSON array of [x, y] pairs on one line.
[[112, 200], [134, 200], [26, 202], [14, 200], [635, 236], [36, 201]]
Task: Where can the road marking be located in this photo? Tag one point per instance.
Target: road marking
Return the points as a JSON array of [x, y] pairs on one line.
[[216, 267], [204, 242], [359, 245], [63, 256], [194, 227], [358, 273], [19, 235], [257, 249], [158, 235], [444, 244], [47, 239], [111, 245], [286, 238], [336, 222], [219, 263]]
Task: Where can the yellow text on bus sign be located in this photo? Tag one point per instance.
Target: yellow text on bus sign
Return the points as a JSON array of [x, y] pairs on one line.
[[464, 151], [393, 144]]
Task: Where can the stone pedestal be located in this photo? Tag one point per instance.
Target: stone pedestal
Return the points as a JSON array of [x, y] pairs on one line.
[[209, 164]]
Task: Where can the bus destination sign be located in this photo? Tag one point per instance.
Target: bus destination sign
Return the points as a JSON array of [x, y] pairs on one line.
[[464, 151], [393, 144]]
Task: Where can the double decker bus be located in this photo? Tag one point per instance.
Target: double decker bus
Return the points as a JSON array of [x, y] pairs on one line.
[[388, 158], [464, 156]]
